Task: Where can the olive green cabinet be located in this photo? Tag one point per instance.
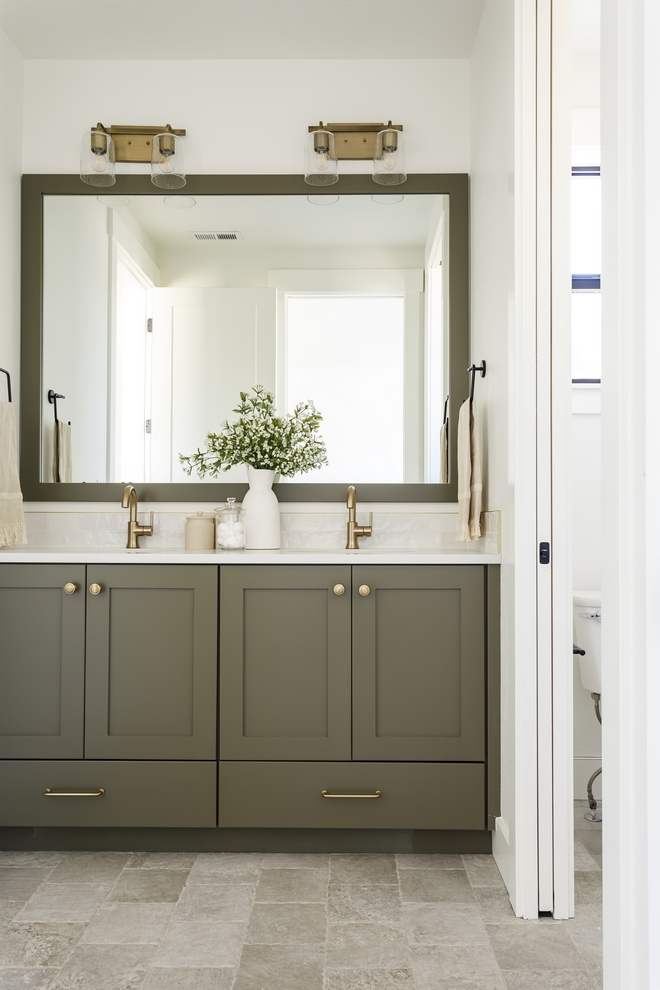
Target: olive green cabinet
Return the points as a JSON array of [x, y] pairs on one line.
[[151, 662], [419, 676], [285, 663], [390, 668], [42, 668]]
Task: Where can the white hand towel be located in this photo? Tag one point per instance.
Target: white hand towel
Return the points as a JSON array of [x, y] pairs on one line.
[[12, 519], [62, 470], [469, 474]]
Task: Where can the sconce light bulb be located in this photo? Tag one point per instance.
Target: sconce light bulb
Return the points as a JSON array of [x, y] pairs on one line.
[[166, 165], [322, 161], [99, 163], [388, 159]]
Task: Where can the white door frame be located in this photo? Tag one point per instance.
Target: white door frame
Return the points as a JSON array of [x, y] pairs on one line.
[[533, 842]]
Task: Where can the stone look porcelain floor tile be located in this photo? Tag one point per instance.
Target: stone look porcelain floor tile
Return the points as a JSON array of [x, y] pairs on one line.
[[368, 979], [215, 902], [535, 947], [433, 963], [226, 868], [189, 979], [128, 924], [161, 861], [105, 967], [296, 861], [63, 902], [349, 902], [367, 946], [9, 910], [287, 924], [248, 921], [482, 871], [543, 980], [35, 859], [292, 886], [444, 924], [377, 868], [584, 861], [89, 867], [428, 861], [20, 884], [435, 885], [192, 944], [27, 979], [280, 967], [38, 944], [149, 885]]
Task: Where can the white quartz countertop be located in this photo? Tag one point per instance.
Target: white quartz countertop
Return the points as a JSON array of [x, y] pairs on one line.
[[145, 555]]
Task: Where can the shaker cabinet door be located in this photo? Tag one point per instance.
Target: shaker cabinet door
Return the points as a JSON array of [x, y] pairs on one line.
[[42, 661], [151, 662], [419, 674], [285, 662]]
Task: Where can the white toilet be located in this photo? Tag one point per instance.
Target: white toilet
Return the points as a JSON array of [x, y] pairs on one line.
[[586, 634]]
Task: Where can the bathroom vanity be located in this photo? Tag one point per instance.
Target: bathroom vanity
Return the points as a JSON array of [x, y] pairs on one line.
[[290, 693]]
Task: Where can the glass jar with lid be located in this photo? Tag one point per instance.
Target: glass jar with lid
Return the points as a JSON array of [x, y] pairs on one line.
[[230, 526]]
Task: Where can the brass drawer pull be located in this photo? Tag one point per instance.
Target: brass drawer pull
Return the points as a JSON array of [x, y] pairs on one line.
[[49, 793], [339, 589], [95, 589], [364, 590], [367, 796], [70, 587]]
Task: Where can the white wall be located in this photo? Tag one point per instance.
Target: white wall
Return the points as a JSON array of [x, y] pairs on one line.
[[228, 106], [11, 128], [202, 267], [492, 270]]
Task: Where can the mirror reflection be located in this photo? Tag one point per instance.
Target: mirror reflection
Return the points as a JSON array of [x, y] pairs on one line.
[[158, 311]]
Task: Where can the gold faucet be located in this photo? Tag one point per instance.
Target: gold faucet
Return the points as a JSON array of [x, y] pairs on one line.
[[353, 530], [135, 530]]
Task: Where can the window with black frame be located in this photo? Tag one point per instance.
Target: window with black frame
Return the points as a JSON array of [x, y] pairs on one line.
[[585, 269]]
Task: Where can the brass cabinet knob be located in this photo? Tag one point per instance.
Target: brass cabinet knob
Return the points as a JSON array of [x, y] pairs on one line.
[[70, 587], [95, 589], [339, 589], [364, 590]]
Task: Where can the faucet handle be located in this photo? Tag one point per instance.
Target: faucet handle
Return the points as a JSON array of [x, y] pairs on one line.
[[148, 530]]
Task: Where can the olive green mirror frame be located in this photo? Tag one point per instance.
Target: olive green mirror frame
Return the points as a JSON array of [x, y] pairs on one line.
[[35, 187]]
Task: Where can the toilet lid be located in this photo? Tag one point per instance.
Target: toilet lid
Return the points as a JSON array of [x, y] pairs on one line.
[[587, 599]]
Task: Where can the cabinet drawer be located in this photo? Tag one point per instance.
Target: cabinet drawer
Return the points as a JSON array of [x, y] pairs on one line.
[[135, 794], [413, 795]]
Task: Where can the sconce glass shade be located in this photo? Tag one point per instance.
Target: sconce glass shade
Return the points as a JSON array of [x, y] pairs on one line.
[[97, 159], [320, 159], [389, 158], [167, 161]]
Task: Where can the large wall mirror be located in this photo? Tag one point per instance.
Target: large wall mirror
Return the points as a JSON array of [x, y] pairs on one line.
[[145, 315]]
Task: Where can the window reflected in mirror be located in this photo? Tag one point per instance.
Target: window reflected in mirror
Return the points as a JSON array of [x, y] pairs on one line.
[[156, 318]]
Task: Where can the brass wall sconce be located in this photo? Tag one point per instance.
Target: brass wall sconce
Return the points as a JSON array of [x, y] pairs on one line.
[[327, 144], [163, 147]]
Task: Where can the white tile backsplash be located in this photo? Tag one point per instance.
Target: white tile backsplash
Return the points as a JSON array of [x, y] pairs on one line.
[[402, 528]]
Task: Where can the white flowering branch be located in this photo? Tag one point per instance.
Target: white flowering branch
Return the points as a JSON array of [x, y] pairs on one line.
[[262, 439]]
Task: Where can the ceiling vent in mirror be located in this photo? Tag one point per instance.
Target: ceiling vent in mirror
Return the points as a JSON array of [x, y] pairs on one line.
[[216, 235]]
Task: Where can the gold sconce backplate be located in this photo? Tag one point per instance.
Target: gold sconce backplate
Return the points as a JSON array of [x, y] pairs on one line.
[[133, 142], [354, 142]]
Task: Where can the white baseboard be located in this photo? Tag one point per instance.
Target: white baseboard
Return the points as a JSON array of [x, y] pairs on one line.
[[582, 769]]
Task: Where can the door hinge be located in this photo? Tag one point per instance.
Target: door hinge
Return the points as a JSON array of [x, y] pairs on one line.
[[147, 426], [544, 553], [150, 325]]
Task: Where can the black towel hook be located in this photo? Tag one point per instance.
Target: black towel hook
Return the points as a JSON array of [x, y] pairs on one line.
[[5, 372], [53, 396], [472, 371]]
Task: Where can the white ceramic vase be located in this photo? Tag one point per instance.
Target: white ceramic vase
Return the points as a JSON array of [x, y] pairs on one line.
[[261, 511]]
